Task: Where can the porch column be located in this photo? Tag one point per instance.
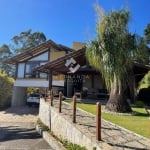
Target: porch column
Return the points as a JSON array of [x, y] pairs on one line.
[[69, 86], [50, 79], [19, 96]]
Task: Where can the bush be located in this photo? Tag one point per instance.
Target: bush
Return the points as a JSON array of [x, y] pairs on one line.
[[144, 89], [144, 95], [139, 103], [6, 88], [145, 82]]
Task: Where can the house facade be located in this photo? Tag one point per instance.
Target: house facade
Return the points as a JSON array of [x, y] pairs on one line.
[[80, 76], [26, 74], [54, 66]]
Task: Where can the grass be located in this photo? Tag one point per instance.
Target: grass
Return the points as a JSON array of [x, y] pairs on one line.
[[68, 145], [138, 123]]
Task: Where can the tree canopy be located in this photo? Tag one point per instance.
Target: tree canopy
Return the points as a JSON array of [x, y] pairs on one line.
[[113, 52], [6, 87], [5, 53], [26, 40], [147, 33], [21, 43]]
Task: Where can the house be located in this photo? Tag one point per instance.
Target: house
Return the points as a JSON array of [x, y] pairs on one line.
[[54, 66], [26, 64], [80, 76]]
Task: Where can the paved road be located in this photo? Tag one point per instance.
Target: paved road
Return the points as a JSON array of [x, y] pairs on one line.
[[17, 130]]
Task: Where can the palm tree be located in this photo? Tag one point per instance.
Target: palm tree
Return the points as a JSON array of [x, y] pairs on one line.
[[112, 53]]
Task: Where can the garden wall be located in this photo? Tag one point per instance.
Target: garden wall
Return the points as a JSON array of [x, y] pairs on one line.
[[65, 129]]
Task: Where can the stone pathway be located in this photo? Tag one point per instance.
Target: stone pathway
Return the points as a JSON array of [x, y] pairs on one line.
[[119, 138]]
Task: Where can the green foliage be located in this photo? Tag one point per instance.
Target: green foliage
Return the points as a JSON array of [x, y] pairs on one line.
[[6, 87], [68, 145], [145, 82], [5, 53], [32, 90], [115, 48], [42, 125], [137, 123], [71, 146], [147, 33], [26, 40], [139, 103], [4, 50]]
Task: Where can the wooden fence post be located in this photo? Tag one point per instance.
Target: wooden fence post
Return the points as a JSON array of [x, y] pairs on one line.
[[98, 121], [74, 109], [60, 101]]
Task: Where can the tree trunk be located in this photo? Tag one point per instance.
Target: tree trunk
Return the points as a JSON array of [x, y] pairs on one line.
[[117, 100]]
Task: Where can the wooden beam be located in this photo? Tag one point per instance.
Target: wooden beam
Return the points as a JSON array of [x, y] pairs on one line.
[[50, 79]]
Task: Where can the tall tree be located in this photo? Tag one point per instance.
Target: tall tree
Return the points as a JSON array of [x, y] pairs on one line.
[[6, 87], [26, 40], [5, 53], [147, 38], [147, 33], [112, 53]]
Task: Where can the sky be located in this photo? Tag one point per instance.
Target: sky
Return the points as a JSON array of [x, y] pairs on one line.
[[65, 21]]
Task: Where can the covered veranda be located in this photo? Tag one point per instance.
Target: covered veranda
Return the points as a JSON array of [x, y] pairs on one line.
[[80, 77]]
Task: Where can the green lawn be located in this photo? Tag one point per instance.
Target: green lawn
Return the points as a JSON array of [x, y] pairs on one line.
[[139, 123]]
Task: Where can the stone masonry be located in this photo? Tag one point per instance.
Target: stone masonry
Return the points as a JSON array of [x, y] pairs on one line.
[[117, 137]]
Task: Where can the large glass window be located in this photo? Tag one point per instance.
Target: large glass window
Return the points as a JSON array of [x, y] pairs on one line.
[[30, 70]]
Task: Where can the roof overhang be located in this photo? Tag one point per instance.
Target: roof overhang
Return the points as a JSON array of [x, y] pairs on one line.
[[59, 65], [36, 51]]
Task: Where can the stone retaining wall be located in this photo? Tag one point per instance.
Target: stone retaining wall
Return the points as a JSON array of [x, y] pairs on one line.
[[65, 129]]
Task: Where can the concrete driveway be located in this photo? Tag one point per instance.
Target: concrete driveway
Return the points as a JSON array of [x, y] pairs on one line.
[[17, 130]]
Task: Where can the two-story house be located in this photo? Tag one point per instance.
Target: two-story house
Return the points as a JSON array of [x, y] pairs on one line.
[[52, 65], [80, 76], [26, 74]]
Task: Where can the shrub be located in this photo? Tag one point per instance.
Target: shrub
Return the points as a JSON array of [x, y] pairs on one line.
[[144, 95], [139, 103], [144, 89], [145, 82], [42, 125], [6, 88]]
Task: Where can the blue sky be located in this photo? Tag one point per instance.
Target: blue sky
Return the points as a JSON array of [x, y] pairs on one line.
[[64, 21]]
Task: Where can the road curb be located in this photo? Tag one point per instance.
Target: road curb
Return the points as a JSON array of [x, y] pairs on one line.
[[56, 145]]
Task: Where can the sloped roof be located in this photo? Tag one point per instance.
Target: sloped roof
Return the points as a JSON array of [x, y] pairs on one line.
[[36, 51], [59, 64]]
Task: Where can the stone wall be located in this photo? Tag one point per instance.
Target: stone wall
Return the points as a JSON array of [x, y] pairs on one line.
[[19, 96], [65, 129], [44, 112]]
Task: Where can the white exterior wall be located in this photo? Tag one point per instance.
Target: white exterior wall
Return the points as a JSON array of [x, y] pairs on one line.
[[31, 83], [21, 70], [37, 83], [19, 96], [42, 57], [21, 66]]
